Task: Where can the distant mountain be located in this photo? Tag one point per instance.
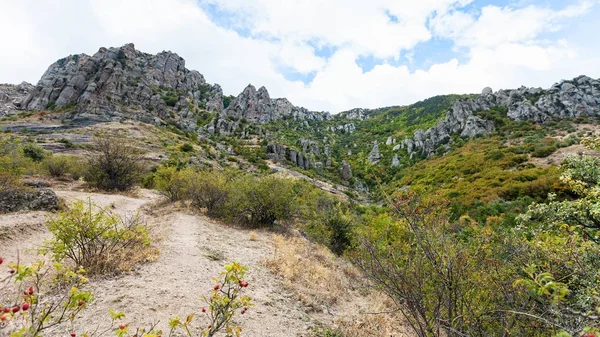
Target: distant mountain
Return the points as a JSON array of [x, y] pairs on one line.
[[118, 83], [356, 148]]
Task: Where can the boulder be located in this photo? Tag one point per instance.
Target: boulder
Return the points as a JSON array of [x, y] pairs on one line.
[[374, 156], [28, 199], [346, 171], [395, 161]]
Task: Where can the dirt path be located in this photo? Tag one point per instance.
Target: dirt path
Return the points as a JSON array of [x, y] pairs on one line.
[[193, 250]]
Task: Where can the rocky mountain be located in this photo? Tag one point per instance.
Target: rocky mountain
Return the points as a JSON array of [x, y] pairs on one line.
[[353, 148], [257, 107], [567, 99], [11, 97], [124, 83]]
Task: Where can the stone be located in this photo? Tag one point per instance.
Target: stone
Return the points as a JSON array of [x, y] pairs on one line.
[[562, 100], [388, 142], [346, 171], [374, 155], [395, 161], [487, 91], [28, 199], [11, 97]]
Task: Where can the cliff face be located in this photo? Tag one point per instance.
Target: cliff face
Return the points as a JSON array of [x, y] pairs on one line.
[[117, 83], [580, 96], [11, 97], [123, 82]]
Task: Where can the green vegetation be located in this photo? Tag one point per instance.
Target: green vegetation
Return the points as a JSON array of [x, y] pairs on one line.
[[114, 166], [96, 240], [62, 166]]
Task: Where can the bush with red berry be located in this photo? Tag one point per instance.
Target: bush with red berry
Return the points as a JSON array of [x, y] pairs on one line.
[[36, 297], [226, 299]]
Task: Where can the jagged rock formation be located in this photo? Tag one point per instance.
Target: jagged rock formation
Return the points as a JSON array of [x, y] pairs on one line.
[[257, 107], [346, 171], [122, 82], [11, 97], [357, 113], [580, 96], [374, 156], [395, 161], [279, 153], [344, 128]]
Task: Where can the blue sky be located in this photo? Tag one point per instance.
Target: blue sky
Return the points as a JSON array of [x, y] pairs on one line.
[[322, 54]]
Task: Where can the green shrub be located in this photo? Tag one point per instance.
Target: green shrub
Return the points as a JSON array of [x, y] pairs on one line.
[[186, 147], [114, 166], [34, 152], [210, 190], [172, 183], [543, 151], [60, 166], [258, 202], [170, 100], [97, 240], [67, 142]]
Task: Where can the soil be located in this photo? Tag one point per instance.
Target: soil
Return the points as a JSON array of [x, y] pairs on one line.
[[193, 250]]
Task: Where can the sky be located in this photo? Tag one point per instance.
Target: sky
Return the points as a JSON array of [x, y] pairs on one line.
[[325, 55]]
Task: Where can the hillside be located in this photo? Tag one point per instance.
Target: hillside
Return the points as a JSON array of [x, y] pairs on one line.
[[324, 209]]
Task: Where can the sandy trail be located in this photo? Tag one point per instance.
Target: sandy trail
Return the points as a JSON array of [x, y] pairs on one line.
[[193, 250], [172, 285]]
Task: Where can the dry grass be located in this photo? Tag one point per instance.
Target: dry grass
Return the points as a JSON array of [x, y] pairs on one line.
[[131, 258], [318, 277], [325, 282], [379, 319]]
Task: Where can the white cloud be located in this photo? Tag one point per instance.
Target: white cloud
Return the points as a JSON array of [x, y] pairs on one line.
[[505, 46]]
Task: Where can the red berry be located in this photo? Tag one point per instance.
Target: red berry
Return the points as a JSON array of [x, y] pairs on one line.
[[7, 310], [30, 290], [245, 284], [216, 287], [15, 309], [203, 309], [73, 334], [25, 306], [1, 260], [12, 271], [81, 303], [122, 326]]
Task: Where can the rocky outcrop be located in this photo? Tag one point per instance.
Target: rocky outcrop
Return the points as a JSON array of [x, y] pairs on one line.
[[123, 82], [11, 97], [357, 113], [279, 153], [344, 128], [374, 155], [256, 106], [580, 96], [395, 161], [25, 199], [346, 171]]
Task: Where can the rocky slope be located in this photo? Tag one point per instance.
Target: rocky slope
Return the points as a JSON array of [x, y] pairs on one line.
[[567, 99], [11, 97], [124, 83]]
